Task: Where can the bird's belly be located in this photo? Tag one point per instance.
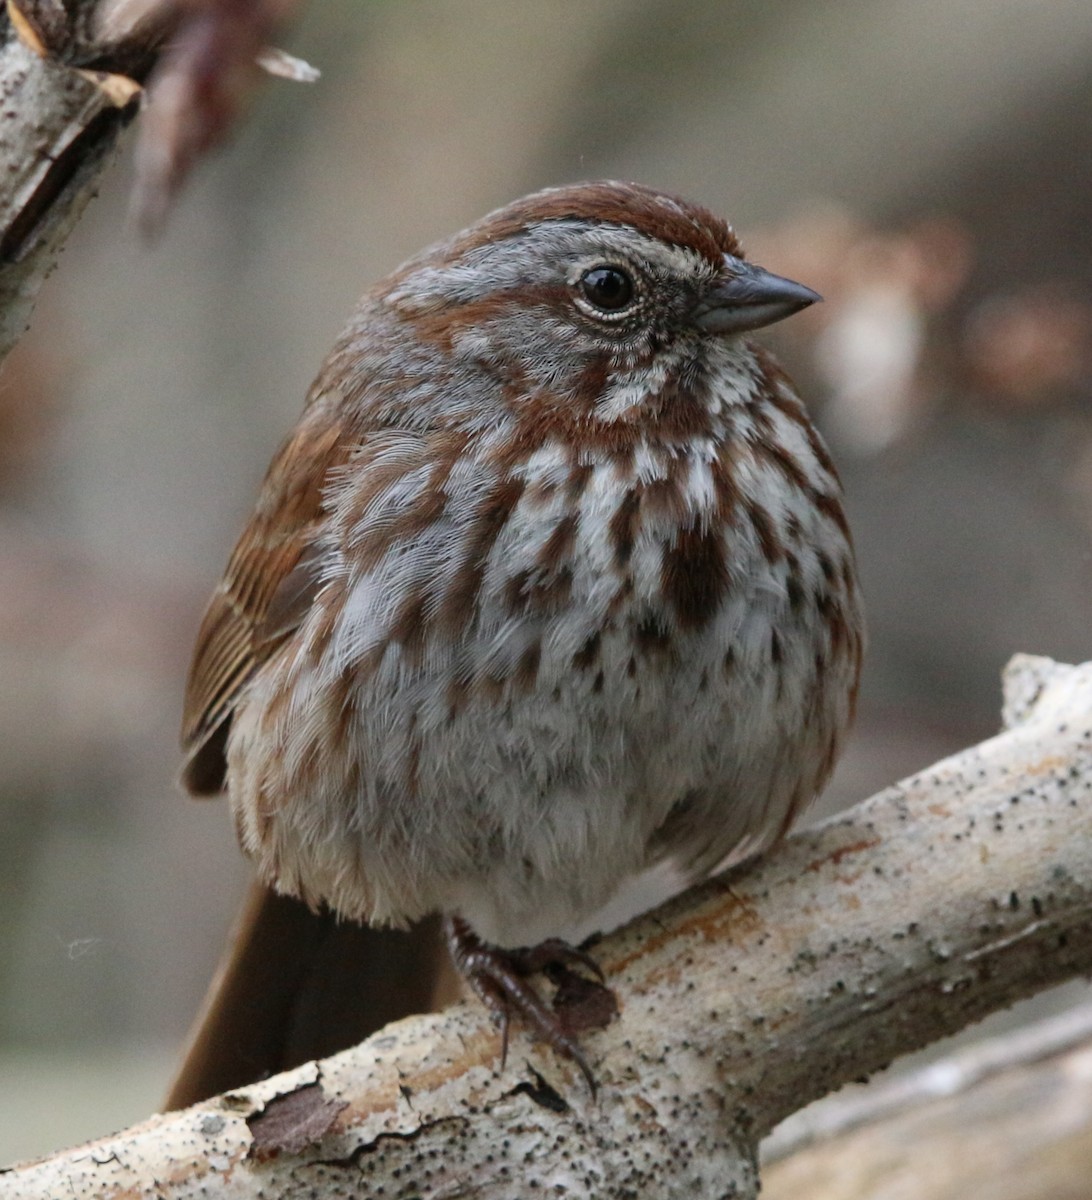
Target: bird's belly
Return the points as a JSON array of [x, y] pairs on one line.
[[524, 802]]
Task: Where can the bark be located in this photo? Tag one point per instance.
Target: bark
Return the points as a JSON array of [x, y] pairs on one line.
[[943, 898], [62, 107]]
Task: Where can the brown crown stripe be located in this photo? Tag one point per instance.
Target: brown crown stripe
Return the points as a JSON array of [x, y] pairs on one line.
[[694, 576], [665, 218]]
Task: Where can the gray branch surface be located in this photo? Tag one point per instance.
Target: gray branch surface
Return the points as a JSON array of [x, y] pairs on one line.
[[58, 130], [1009, 1118], [942, 899]]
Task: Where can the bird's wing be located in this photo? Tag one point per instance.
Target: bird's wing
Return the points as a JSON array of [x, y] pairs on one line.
[[267, 589]]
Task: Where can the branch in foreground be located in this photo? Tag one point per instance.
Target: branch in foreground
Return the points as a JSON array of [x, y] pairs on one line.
[[943, 898]]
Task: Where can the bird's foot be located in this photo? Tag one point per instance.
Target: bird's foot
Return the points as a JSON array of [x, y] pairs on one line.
[[500, 978]]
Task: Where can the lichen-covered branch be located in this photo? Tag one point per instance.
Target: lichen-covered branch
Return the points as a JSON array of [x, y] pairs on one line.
[[940, 900]]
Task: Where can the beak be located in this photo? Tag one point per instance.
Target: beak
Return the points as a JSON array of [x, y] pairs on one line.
[[747, 297]]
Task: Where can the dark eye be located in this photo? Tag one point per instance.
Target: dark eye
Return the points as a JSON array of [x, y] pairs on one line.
[[610, 289]]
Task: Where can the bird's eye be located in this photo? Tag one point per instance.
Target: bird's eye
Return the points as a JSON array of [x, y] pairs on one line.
[[608, 289]]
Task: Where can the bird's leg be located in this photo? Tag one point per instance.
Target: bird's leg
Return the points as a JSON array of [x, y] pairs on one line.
[[499, 977]]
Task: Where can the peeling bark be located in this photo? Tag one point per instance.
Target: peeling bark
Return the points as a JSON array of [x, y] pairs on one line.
[[944, 898]]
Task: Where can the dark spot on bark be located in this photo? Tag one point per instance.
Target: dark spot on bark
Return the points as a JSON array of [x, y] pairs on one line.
[[290, 1123], [541, 1093]]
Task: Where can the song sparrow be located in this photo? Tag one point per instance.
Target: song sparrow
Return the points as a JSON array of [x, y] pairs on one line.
[[550, 583]]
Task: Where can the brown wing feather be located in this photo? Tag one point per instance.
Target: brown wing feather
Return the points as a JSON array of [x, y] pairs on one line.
[[266, 590]]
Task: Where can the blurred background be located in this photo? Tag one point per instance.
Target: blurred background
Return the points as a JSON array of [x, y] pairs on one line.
[[925, 164]]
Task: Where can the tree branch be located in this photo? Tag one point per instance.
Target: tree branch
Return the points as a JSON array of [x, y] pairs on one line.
[[1009, 1118], [57, 136], [948, 896], [70, 82]]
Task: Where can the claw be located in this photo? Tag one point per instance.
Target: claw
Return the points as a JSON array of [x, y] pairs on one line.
[[555, 953], [498, 976]]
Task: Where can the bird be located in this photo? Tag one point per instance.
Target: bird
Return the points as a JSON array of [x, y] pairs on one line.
[[550, 585]]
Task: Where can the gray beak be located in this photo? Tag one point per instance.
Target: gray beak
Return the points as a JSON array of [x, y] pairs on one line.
[[747, 297]]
